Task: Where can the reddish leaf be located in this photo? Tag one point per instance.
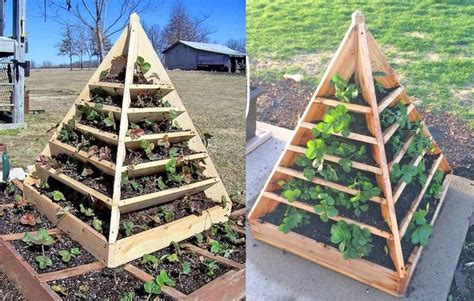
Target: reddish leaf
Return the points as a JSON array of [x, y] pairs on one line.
[[105, 153], [28, 219], [136, 133], [93, 150], [164, 142]]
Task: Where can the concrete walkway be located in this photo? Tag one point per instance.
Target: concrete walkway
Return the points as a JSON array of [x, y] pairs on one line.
[[273, 274]]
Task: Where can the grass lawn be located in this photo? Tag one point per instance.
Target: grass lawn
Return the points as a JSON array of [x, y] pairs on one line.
[[430, 45], [215, 101]]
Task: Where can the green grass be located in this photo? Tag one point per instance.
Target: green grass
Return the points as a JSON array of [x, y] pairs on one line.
[[430, 45], [9, 132]]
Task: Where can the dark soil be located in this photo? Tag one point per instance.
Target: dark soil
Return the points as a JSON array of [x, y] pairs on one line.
[[106, 284], [283, 102], [101, 126], [410, 192], [163, 126], [159, 153], [155, 216], [462, 287], [10, 220], [321, 232], [106, 98], [186, 284], [217, 233], [62, 242], [8, 193], [149, 184], [147, 100], [8, 291], [98, 181], [74, 199]]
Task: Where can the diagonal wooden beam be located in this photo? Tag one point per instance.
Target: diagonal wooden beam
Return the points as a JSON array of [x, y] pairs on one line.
[[366, 81]]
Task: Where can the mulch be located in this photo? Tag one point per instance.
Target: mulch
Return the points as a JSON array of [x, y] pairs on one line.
[[283, 102]]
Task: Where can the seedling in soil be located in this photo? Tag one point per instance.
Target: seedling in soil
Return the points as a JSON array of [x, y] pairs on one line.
[[186, 268], [151, 260], [86, 211], [145, 100], [148, 147], [293, 218], [154, 287], [172, 257], [354, 242], [142, 65], [344, 92], [30, 220], [200, 238], [325, 209], [216, 247], [59, 289], [97, 224], [212, 267], [67, 255], [67, 133], [128, 296], [397, 114], [166, 214], [366, 191], [336, 120], [58, 196], [405, 172], [128, 227], [42, 238], [436, 185], [419, 228]]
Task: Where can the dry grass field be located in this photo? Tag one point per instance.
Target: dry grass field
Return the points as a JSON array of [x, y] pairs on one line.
[[215, 101]]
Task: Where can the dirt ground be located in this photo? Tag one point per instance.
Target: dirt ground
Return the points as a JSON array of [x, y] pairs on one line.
[[215, 101]]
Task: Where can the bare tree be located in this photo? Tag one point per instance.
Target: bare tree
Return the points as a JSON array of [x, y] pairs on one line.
[[154, 34], [47, 64], [183, 26], [95, 15], [81, 44], [68, 45], [33, 64], [238, 45]]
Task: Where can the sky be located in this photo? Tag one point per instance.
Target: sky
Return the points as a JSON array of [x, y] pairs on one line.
[[227, 19]]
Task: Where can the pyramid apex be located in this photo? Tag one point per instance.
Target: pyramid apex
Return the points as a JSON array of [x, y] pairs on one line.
[[134, 17], [357, 17]]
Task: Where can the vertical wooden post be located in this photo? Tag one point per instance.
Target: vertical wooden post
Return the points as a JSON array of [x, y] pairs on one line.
[[366, 82], [19, 12]]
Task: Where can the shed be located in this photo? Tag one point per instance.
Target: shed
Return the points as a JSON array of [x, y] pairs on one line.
[[203, 56]]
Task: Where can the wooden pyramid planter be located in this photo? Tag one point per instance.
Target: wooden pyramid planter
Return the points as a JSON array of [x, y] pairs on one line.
[[126, 173], [364, 214]]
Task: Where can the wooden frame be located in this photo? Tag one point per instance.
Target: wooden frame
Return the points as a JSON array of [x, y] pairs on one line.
[[357, 56], [132, 43], [34, 285]]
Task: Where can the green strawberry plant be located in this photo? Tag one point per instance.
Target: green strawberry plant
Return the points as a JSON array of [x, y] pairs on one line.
[[436, 185], [67, 134], [58, 196], [397, 114], [406, 173], [344, 92], [336, 120], [185, 268], [419, 229], [142, 65], [293, 218], [419, 145], [354, 242], [43, 239], [366, 191], [151, 260], [148, 148], [212, 267], [326, 207], [128, 227], [67, 255], [291, 191], [154, 287]]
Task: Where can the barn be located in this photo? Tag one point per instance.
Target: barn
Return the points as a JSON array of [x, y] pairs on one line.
[[187, 55]]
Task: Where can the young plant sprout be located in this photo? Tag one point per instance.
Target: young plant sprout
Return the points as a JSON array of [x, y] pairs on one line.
[[43, 239]]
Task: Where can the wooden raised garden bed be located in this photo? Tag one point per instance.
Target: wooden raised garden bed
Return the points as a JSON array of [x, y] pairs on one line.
[[126, 173], [210, 275], [361, 182]]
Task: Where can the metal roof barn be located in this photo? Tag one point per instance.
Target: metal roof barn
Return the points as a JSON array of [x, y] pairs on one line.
[[187, 55]]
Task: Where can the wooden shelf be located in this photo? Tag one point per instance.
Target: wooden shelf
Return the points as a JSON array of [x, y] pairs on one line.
[[416, 202], [101, 108], [66, 180], [174, 137], [58, 147], [153, 167], [389, 99], [99, 134], [153, 114], [352, 136], [335, 159], [355, 108], [310, 209], [167, 195], [106, 85], [297, 174]]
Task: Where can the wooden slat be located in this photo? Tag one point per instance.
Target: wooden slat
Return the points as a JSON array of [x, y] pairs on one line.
[[101, 135], [310, 209], [350, 106], [86, 190], [388, 133], [174, 137], [335, 159], [102, 108], [230, 286], [145, 277], [416, 202], [401, 185], [17, 236], [71, 272], [319, 181], [220, 259], [161, 197], [152, 114], [352, 136], [238, 213], [58, 147], [153, 167], [389, 99], [105, 85]]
